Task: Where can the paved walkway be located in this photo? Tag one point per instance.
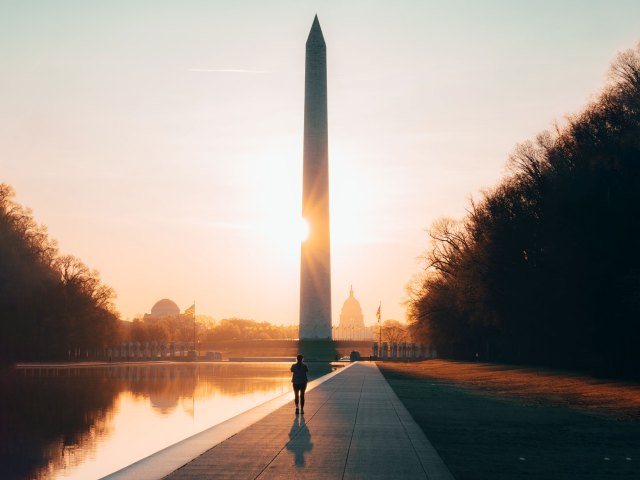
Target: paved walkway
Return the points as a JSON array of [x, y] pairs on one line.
[[354, 427]]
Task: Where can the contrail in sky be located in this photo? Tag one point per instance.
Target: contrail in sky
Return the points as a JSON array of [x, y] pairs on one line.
[[226, 70]]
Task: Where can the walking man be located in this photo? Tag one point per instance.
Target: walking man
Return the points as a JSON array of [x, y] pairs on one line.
[[299, 380]]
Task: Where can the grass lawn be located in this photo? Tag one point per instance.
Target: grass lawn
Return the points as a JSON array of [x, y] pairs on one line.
[[497, 422]]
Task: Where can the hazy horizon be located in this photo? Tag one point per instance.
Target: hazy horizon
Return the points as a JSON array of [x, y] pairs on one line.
[[161, 142]]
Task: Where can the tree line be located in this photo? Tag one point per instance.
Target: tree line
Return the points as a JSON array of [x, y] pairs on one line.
[[180, 328], [241, 329], [54, 307], [51, 305], [545, 267]]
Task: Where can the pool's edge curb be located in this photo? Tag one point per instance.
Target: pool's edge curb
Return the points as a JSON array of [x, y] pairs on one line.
[[169, 459]]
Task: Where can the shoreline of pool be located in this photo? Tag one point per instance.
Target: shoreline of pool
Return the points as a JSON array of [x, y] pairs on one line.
[[169, 459]]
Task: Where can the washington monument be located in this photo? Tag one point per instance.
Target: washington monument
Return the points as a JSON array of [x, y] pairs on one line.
[[315, 258]]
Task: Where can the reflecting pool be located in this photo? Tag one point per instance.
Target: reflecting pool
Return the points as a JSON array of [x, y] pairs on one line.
[[87, 422]]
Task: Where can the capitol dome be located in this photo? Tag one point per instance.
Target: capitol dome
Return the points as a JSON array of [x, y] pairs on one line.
[[165, 308], [351, 314]]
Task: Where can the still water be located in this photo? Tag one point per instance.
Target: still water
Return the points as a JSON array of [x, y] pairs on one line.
[[87, 422]]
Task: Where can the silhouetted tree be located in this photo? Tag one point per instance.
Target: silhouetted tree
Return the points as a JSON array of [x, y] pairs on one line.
[[394, 331], [545, 268], [50, 305]]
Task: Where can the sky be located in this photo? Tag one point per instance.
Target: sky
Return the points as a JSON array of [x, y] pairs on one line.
[[161, 141]]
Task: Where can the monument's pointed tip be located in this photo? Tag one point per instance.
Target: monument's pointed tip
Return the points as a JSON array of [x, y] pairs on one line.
[[315, 35]]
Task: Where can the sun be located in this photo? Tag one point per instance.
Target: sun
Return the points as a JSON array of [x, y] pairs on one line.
[[302, 229], [287, 231]]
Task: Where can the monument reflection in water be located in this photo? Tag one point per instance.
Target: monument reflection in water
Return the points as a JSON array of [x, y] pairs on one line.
[[86, 422]]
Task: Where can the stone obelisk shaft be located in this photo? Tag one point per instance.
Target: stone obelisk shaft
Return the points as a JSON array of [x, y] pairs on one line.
[[315, 261]]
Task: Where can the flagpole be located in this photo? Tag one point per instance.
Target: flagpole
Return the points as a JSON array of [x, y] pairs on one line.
[[380, 330], [194, 329]]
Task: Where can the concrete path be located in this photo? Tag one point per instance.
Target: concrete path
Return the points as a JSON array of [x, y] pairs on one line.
[[354, 427]]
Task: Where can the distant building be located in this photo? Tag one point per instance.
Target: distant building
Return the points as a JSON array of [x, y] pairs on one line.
[[352, 325], [162, 309], [176, 326], [351, 314]]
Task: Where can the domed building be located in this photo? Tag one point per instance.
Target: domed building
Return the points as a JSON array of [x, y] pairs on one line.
[[177, 328], [351, 325], [163, 308], [351, 314]]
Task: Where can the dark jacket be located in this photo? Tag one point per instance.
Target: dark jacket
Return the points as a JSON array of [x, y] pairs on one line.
[[299, 371]]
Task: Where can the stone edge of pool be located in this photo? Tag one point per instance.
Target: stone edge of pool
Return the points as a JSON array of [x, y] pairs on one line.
[[169, 459]]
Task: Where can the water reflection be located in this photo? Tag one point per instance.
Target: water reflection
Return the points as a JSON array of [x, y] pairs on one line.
[[299, 440], [85, 422]]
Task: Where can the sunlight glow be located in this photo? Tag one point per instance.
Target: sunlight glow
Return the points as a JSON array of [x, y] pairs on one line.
[[188, 136], [303, 229], [276, 198], [285, 230]]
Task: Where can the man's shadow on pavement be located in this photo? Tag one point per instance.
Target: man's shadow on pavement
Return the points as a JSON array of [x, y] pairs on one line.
[[299, 440]]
